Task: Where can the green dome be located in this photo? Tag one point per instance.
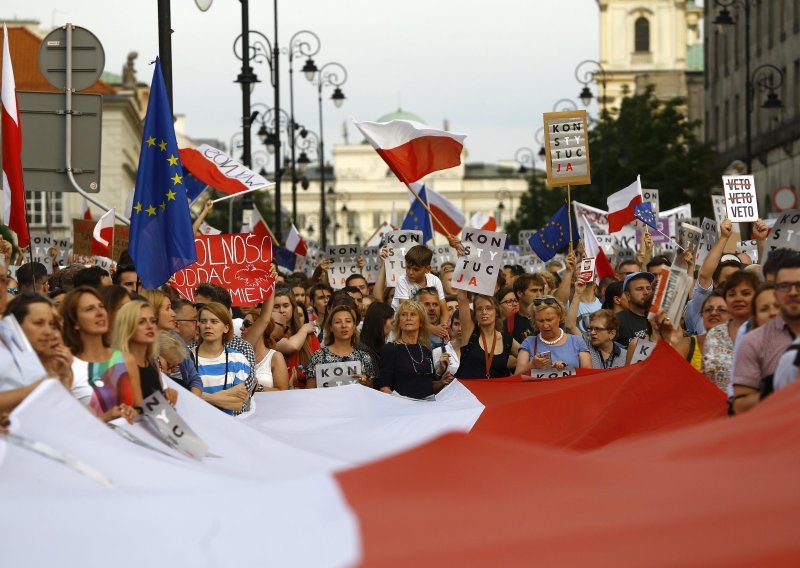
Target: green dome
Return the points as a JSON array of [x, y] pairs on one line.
[[400, 114]]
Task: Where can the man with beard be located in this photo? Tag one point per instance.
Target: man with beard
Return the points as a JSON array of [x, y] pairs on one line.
[[638, 289], [429, 298]]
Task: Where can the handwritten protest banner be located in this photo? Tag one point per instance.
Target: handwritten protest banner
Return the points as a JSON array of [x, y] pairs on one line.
[[741, 203], [337, 374], [786, 232], [567, 148], [344, 262], [239, 263], [478, 269], [82, 237], [372, 262], [399, 242]]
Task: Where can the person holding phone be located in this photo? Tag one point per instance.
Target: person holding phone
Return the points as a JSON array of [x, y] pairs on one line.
[[552, 347]]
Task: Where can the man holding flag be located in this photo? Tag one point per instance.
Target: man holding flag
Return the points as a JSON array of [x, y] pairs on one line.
[[161, 237]]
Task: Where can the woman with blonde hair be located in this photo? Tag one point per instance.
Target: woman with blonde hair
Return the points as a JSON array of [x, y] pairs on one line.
[[134, 333], [223, 370], [165, 315], [552, 348], [341, 339], [170, 352], [407, 362], [106, 378], [271, 371]]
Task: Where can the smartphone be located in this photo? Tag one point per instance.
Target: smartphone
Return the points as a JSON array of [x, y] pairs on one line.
[[547, 355]]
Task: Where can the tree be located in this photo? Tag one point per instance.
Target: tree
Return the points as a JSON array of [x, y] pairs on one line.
[[218, 218], [536, 206]]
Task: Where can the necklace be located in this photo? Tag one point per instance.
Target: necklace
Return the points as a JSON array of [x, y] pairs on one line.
[[553, 342], [489, 357], [421, 353]]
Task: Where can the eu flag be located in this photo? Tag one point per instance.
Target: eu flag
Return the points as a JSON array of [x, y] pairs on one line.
[[283, 257], [418, 218], [644, 212], [194, 187], [550, 239], [161, 238]]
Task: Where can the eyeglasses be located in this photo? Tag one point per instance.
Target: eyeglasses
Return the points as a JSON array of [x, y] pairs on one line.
[[785, 287], [718, 310], [598, 329], [546, 300], [510, 302]]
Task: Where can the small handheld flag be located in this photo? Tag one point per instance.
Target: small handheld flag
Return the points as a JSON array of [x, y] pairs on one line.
[[554, 236], [644, 213]]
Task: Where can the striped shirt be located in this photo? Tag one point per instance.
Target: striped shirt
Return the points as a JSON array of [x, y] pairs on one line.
[[222, 372]]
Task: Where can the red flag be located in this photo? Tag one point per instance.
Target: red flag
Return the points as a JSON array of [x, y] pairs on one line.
[[213, 167], [620, 206], [103, 235], [603, 266], [412, 150], [87, 211], [13, 188], [260, 227]]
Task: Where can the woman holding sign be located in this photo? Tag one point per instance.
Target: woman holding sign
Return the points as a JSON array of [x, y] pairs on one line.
[[486, 351], [341, 338], [553, 348], [407, 363]]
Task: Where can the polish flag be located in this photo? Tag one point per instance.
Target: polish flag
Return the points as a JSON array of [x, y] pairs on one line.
[[206, 229], [215, 168], [602, 266], [295, 243], [483, 221], [259, 227], [412, 150], [87, 212], [620, 206], [103, 234], [14, 210], [443, 209]]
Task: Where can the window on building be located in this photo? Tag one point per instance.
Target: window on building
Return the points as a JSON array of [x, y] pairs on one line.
[[642, 35], [39, 203]]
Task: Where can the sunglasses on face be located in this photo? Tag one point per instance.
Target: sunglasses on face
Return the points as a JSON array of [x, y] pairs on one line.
[[546, 300]]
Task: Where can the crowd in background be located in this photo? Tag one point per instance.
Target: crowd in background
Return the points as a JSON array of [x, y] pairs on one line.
[[112, 344]]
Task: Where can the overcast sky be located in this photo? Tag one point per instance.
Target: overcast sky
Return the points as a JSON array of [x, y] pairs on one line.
[[490, 68]]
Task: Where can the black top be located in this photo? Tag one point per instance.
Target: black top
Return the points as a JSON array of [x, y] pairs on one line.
[[521, 329], [150, 380], [473, 358], [630, 326], [407, 369]]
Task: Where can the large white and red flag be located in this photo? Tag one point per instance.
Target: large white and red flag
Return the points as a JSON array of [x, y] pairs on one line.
[[14, 211], [103, 234], [481, 220], [620, 206], [449, 217], [412, 150], [295, 242], [215, 168], [259, 227], [602, 266], [87, 211]]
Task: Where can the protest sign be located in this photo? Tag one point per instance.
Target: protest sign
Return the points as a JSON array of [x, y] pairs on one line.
[[642, 350], [105, 263], [689, 238], [720, 211], [337, 374], [240, 263], [343, 263], [372, 262], [171, 428], [530, 262], [551, 373], [786, 232], [624, 241], [586, 271], [606, 243], [82, 237], [399, 242], [524, 245], [651, 196], [741, 203], [658, 237], [478, 269], [671, 292], [510, 257], [566, 148], [708, 239], [442, 254], [750, 248], [40, 251]]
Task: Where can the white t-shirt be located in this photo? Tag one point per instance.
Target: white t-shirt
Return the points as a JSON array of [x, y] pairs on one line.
[[81, 390], [405, 289]]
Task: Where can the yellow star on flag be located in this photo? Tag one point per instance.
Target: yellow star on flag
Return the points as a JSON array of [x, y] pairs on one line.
[[151, 210], [138, 207], [173, 160], [163, 146], [151, 141], [176, 179], [163, 206], [171, 195]]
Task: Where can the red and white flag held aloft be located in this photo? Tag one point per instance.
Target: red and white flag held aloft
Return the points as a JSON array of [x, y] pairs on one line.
[[620, 206], [14, 210], [593, 249], [87, 211], [220, 171], [483, 221], [295, 243], [103, 234]]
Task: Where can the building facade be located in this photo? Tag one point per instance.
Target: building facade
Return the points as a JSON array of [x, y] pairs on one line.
[[775, 139]]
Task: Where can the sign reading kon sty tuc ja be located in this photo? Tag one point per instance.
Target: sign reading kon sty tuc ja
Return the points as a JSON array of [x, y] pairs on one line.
[[566, 148], [477, 270]]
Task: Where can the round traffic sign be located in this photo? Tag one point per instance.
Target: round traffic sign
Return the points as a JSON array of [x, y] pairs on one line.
[[784, 198], [88, 58]]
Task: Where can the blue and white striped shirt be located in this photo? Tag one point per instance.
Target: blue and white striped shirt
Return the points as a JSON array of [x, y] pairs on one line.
[[223, 372]]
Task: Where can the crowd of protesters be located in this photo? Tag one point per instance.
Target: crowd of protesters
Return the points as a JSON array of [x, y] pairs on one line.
[[112, 344]]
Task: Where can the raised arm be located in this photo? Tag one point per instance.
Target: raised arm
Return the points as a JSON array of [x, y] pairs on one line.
[[465, 316], [207, 207], [760, 232], [706, 276], [563, 290], [380, 282], [574, 306]]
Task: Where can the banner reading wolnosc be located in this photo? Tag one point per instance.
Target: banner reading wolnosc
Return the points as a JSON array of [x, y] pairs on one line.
[[239, 263]]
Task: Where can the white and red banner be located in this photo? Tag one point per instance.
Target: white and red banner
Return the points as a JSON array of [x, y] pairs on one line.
[[103, 234], [295, 242], [14, 210], [215, 168], [445, 211], [259, 227], [620, 206], [413, 150], [481, 220], [602, 266], [240, 263]]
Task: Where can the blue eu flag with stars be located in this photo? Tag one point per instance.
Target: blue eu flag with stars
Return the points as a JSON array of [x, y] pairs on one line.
[[554, 236], [644, 212], [161, 237], [418, 218]]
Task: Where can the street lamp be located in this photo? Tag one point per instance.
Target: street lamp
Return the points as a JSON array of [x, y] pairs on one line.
[[525, 157], [591, 71], [306, 44], [502, 195], [752, 80], [331, 74]]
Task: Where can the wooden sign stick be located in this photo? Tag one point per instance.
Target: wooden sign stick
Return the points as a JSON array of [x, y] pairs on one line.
[[428, 209], [569, 215]]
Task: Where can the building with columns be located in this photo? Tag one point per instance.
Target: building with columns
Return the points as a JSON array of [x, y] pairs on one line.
[[363, 193]]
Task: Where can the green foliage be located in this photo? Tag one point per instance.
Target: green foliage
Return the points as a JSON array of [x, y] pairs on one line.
[[218, 218], [536, 206]]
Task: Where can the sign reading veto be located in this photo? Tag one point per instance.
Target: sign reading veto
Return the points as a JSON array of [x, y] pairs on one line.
[[239, 263]]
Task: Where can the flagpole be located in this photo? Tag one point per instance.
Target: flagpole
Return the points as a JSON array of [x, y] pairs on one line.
[[569, 215], [428, 209], [232, 195]]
